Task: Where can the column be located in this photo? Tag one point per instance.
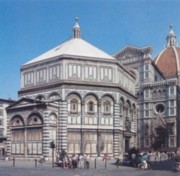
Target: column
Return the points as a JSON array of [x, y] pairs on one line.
[[121, 116], [124, 118], [46, 141], [82, 114], [99, 114], [135, 127], [62, 126], [25, 142], [8, 143], [98, 127], [82, 123], [116, 144]]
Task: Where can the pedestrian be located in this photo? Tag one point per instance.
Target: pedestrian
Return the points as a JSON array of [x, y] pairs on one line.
[[41, 160], [105, 157], [81, 158], [63, 157], [86, 161], [144, 159], [133, 157], [158, 154], [75, 158]]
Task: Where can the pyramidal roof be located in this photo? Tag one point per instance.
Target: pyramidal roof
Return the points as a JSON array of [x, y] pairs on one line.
[[73, 47]]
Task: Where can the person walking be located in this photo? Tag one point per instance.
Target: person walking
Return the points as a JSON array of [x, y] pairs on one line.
[[81, 158], [86, 161], [75, 159]]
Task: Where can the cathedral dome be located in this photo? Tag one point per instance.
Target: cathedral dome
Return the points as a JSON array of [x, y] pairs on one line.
[[168, 61]]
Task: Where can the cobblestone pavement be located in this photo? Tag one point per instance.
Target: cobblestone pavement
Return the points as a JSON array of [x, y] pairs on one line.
[[27, 168]]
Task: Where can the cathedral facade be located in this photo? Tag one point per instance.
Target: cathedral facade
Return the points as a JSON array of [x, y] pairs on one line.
[[157, 91], [77, 96]]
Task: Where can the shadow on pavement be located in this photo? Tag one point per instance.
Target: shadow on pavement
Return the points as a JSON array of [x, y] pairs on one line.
[[165, 165]]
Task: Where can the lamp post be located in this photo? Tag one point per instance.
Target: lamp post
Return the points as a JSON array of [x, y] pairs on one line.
[[98, 143], [52, 146]]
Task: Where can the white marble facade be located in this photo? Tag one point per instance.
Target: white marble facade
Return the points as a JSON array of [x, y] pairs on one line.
[[81, 70], [157, 96], [77, 96]]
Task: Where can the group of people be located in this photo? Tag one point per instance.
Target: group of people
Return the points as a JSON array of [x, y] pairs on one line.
[[75, 161], [135, 158], [139, 157]]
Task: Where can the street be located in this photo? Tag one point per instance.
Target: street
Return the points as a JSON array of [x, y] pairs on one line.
[[28, 168]]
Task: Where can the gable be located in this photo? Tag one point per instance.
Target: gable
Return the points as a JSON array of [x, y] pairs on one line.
[[132, 54], [25, 102]]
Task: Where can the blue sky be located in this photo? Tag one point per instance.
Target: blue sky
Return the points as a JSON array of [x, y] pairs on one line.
[[29, 28]]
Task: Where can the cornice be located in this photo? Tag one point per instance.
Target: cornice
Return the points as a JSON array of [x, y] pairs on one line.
[[159, 83], [77, 58], [72, 83]]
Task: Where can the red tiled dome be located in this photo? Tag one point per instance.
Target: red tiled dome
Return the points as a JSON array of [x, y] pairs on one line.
[[168, 61]]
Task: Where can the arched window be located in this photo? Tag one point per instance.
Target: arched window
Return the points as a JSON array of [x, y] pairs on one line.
[[17, 135], [90, 106], [107, 107], [74, 106], [164, 92], [16, 122], [127, 124], [171, 90], [154, 93], [34, 120], [121, 105], [160, 93], [34, 134], [146, 129]]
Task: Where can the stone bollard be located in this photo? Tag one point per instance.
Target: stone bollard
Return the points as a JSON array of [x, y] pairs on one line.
[[35, 162], [95, 163], [14, 161]]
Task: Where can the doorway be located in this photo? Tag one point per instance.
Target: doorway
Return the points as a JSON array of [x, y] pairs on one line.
[[160, 138], [127, 141]]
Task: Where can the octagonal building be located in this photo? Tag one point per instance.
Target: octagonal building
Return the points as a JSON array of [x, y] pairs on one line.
[[78, 96]]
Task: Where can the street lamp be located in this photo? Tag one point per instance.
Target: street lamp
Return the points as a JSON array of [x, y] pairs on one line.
[[52, 146]]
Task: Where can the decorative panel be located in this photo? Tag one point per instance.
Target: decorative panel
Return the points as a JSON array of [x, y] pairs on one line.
[[41, 75], [74, 71], [28, 78], [106, 74], [54, 72]]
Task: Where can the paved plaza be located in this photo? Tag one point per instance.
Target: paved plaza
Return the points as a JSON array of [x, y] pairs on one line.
[[161, 167]]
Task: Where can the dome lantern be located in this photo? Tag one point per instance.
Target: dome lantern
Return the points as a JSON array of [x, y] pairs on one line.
[[76, 29], [171, 38]]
